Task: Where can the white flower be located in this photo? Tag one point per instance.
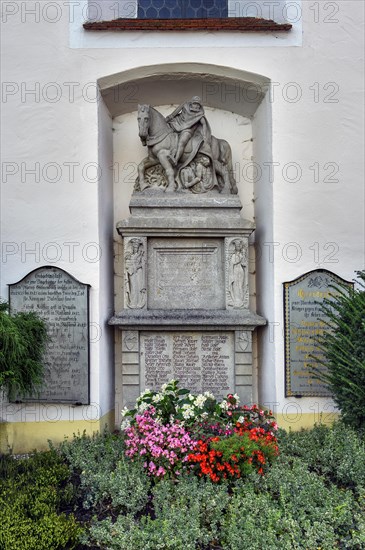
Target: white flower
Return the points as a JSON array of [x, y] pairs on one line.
[[200, 400], [236, 396], [209, 395], [188, 411], [191, 397], [125, 424], [157, 398], [224, 405], [124, 412], [164, 387], [142, 407], [241, 420]]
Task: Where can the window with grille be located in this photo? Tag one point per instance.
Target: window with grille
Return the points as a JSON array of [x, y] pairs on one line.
[[182, 9], [189, 15]]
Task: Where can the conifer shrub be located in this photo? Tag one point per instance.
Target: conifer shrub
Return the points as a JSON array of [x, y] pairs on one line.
[[23, 338], [343, 346]]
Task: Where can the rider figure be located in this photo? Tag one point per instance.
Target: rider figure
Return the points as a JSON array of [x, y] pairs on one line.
[[185, 120]]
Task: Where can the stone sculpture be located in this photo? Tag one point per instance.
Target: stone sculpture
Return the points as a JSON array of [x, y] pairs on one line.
[[188, 158], [237, 275], [135, 287]]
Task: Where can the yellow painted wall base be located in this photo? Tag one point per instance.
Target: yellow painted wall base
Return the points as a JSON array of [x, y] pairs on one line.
[[296, 422], [24, 437]]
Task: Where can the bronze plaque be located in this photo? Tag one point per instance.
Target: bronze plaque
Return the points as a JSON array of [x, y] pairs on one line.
[[63, 303], [303, 321]]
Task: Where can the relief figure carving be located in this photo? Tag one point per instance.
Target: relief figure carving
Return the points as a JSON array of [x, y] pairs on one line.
[[197, 176], [178, 143], [237, 275], [135, 287], [189, 121]]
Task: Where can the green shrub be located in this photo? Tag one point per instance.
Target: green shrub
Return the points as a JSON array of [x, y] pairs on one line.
[[343, 346], [297, 504], [31, 495], [23, 338], [105, 474], [291, 508], [337, 452], [187, 515]]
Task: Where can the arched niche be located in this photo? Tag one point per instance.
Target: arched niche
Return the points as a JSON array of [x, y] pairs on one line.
[[220, 87], [223, 89]]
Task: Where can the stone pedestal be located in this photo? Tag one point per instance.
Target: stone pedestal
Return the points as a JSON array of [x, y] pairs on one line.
[[186, 299]]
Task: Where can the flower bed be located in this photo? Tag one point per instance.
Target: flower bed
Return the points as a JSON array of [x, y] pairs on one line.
[[175, 431]]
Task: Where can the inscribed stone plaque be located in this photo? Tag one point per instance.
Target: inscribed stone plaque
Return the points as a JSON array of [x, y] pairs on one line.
[[185, 274], [201, 361], [304, 320], [62, 302]]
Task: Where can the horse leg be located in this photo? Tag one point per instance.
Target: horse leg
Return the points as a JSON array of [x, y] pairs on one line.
[[232, 179], [142, 167], [225, 156], [164, 158]]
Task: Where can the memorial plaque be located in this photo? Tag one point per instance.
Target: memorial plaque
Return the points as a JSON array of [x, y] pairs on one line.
[[201, 361], [185, 274], [304, 320], [62, 302]]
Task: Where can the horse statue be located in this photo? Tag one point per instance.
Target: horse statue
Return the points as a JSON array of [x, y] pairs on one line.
[[162, 143]]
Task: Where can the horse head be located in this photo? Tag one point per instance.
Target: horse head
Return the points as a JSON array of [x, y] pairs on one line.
[[143, 122]]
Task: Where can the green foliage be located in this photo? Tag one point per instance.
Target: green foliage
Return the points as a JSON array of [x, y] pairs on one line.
[[343, 346], [105, 475], [291, 508], [298, 504], [188, 515], [31, 493], [23, 338], [312, 497], [338, 453]]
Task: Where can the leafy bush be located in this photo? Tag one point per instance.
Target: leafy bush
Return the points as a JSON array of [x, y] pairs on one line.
[[343, 346], [187, 515], [288, 508], [337, 453], [312, 497], [105, 476], [32, 491], [291, 508], [23, 338], [296, 504]]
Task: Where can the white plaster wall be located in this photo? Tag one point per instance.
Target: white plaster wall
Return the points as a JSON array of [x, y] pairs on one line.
[[263, 237], [106, 276], [307, 129]]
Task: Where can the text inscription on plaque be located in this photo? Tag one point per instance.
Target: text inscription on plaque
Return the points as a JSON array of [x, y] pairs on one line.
[[304, 321], [185, 274], [201, 361], [62, 302]]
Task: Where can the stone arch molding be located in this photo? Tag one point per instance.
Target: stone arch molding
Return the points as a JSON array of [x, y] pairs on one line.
[[220, 87]]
